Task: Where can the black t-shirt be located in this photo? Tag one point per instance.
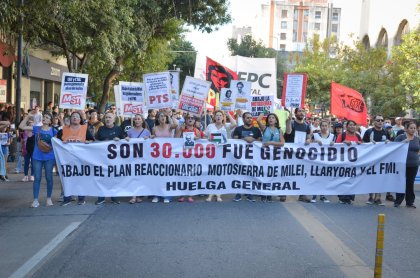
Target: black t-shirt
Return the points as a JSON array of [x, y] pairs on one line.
[[242, 132], [125, 126], [378, 135], [304, 127], [150, 123], [106, 133]]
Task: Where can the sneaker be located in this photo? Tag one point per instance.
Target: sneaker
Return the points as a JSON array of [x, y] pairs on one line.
[[303, 198], [35, 204], [283, 198], [81, 202], [250, 198], [49, 202], [17, 172], [100, 202], [396, 205], [219, 199], [190, 200], [269, 199], [342, 202], [389, 197], [68, 202], [237, 198], [32, 178], [324, 199], [369, 201], [313, 200], [208, 199], [413, 206], [181, 200], [166, 201], [115, 201], [379, 202], [264, 199], [2, 178], [25, 178], [6, 178], [155, 200]]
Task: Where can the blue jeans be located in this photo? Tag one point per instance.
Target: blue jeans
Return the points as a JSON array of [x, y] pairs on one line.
[[28, 159], [2, 165], [48, 166]]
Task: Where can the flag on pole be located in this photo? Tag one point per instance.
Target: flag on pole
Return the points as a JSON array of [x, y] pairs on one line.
[[220, 77], [348, 103]]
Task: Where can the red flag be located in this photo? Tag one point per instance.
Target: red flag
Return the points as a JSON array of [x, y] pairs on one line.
[[348, 103], [219, 76]]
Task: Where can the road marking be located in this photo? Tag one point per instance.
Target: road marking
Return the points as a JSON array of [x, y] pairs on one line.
[[41, 254], [348, 262]]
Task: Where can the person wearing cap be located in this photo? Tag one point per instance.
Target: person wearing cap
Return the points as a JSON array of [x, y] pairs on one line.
[[376, 134]]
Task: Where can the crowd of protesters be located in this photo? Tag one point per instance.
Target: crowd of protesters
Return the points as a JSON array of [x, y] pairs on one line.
[[34, 148]]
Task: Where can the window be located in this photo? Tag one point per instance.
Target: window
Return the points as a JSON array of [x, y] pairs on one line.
[[318, 15], [284, 13], [317, 26], [284, 25], [294, 36], [305, 13], [334, 28], [305, 36], [282, 47], [282, 36], [335, 16]]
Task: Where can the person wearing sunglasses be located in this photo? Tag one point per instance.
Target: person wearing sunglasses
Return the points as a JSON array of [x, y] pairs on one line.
[[377, 133]]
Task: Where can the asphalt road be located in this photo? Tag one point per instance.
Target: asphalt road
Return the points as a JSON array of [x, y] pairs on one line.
[[201, 239]]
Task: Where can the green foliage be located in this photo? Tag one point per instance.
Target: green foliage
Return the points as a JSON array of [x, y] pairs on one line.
[[406, 61], [185, 59]]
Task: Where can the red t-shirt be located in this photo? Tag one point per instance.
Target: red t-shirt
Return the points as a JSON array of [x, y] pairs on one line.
[[351, 138]]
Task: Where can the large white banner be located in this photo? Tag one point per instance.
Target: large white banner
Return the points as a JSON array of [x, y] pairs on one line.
[[163, 167], [73, 90], [261, 72]]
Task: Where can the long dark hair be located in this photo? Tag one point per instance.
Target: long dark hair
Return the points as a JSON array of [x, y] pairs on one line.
[[277, 125], [157, 118]]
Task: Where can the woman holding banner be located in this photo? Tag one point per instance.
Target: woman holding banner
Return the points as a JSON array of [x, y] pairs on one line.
[[164, 126], [138, 130], [43, 156], [75, 133], [219, 126], [189, 126], [412, 165], [348, 138], [271, 136], [324, 136]]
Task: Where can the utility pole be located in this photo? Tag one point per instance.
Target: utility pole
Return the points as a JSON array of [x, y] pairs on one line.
[[19, 67]]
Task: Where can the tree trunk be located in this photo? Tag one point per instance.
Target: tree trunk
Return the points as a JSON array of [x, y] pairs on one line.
[[109, 79]]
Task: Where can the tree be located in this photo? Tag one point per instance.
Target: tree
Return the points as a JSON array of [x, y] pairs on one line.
[[106, 36], [184, 57], [406, 60]]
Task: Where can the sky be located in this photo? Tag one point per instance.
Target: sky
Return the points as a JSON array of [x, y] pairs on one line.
[[215, 43]]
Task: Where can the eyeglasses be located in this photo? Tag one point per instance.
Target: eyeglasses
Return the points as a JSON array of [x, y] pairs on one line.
[[113, 108], [379, 120]]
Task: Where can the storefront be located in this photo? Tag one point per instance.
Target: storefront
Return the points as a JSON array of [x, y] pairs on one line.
[[45, 82]]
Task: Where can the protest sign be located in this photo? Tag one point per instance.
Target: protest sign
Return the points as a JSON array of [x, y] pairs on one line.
[[242, 90], [158, 88], [163, 167], [262, 104], [3, 91], [174, 77], [294, 89], [130, 98], [193, 95], [73, 90], [227, 98]]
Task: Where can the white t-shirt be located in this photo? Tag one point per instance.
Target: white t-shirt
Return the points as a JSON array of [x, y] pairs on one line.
[[329, 139], [37, 118], [225, 130]]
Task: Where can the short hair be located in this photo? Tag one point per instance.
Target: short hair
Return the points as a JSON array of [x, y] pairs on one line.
[[240, 83], [246, 113]]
